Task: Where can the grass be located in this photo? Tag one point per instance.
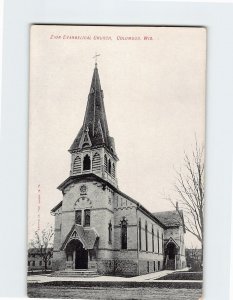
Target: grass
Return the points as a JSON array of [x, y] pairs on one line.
[[183, 276], [114, 293]]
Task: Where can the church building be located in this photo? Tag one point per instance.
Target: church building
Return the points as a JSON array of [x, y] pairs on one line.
[[97, 226]]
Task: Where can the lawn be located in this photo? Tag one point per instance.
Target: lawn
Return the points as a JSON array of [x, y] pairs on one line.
[[183, 276], [110, 293]]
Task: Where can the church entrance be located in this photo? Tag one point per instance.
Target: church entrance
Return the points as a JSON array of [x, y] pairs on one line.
[[77, 254], [170, 256], [171, 251]]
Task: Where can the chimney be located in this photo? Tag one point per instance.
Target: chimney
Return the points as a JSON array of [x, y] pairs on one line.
[[177, 205]]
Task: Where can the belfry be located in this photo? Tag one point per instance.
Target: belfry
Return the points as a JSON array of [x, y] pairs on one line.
[[100, 229], [93, 150]]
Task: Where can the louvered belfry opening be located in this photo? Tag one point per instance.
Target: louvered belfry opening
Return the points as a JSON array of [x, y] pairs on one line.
[[105, 163], [96, 163], [77, 165]]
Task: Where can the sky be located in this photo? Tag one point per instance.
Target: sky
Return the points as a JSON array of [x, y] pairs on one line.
[[154, 96]]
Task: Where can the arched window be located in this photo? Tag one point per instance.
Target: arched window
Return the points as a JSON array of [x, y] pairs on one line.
[[109, 166], [146, 236], [153, 245], [140, 234], [123, 234], [110, 232], [78, 217], [86, 163], [105, 163], [77, 165], [113, 170], [87, 217], [96, 163], [158, 239]]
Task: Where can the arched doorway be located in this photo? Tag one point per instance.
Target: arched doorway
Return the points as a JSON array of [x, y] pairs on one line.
[[76, 253], [171, 251]]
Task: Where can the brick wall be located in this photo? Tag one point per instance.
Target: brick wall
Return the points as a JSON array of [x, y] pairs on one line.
[[108, 206]]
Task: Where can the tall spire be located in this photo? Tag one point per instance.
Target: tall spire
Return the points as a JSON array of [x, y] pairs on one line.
[[94, 130]]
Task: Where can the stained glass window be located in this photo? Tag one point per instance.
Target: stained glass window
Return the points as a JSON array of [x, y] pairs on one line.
[[124, 234], [110, 232], [78, 217], [87, 217]]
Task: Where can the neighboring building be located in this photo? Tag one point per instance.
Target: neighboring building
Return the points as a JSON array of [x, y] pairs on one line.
[[194, 259], [96, 225], [35, 261]]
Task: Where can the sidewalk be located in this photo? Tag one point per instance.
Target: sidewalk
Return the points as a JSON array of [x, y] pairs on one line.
[[142, 278]]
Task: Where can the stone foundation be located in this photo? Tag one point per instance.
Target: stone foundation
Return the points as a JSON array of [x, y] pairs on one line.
[[59, 261], [126, 267], [105, 267], [118, 267], [150, 266]]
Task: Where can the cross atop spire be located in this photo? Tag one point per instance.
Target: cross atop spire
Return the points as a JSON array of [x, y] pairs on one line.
[[96, 57]]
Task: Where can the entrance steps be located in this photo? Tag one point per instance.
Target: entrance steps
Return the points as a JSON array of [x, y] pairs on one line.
[[76, 273]]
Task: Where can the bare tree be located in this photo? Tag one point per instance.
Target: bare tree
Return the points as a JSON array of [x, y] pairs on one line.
[[189, 189], [43, 243]]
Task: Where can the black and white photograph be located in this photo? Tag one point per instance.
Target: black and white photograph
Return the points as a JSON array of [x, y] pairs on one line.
[[116, 191]]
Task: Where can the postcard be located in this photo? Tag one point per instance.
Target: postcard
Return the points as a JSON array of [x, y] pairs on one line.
[[116, 162]]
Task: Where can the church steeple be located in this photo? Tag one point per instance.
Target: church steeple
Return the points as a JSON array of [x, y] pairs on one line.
[[93, 150], [94, 131]]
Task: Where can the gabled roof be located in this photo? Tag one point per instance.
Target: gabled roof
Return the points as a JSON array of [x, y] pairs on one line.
[[171, 218], [171, 240], [75, 178], [95, 126], [166, 219], [53, 210], [87, 236]]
